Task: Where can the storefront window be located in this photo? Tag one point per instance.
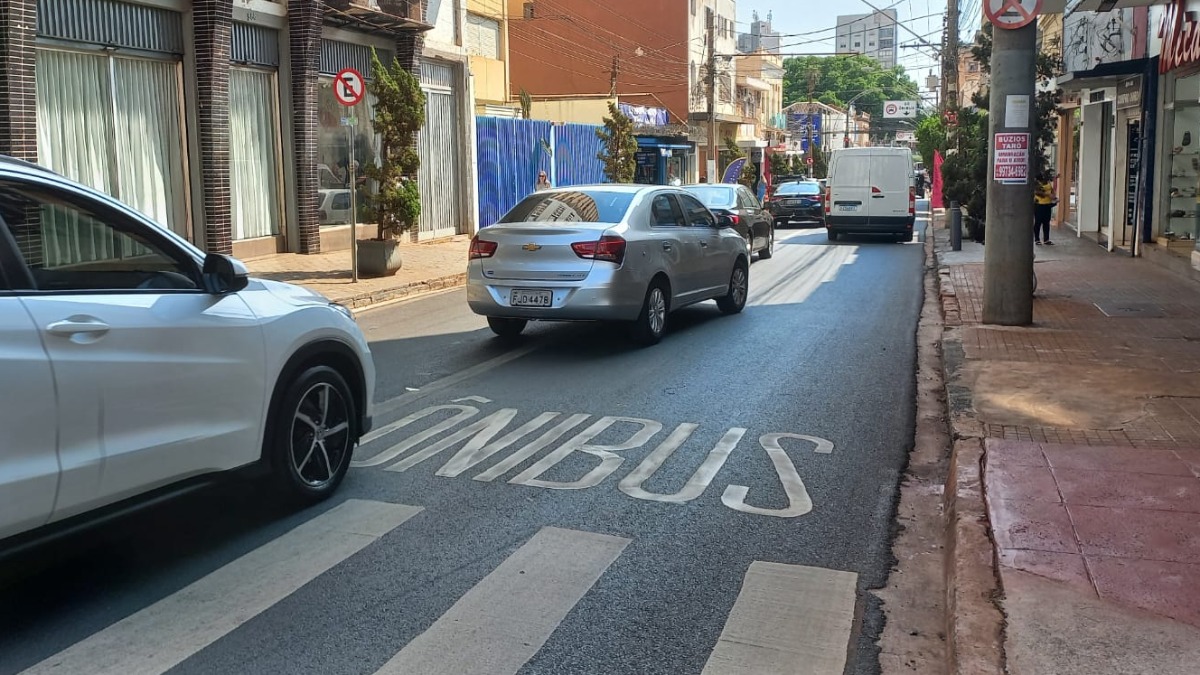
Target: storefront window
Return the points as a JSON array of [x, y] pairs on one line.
[[333, 146], [253, 154], [1179, 221], [112, 123]]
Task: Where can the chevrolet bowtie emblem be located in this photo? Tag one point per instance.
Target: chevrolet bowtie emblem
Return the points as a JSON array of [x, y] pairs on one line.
[[532, 247]]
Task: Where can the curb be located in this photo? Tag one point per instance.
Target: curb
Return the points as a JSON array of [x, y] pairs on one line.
[[365, 301], [974, 622]]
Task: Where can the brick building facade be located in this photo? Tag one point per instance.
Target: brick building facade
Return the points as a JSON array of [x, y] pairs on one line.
[[212, 117]]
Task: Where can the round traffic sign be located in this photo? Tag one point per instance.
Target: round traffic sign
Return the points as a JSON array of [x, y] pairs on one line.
[[810, 161], [349, 87], [1012, 14], [891, 109]]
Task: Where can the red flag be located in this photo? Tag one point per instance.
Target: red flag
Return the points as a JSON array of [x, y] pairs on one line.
[[936, 200]]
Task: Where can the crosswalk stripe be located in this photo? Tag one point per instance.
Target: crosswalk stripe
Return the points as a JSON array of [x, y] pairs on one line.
[[166, 633], [506, 618], [787, 619]]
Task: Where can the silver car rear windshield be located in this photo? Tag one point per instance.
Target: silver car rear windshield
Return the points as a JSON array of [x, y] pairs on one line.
[[715, 196], [571, 206]]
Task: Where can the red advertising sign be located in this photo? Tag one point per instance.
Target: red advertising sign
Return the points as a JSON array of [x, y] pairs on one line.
[[1180, 35], [1011, 166]]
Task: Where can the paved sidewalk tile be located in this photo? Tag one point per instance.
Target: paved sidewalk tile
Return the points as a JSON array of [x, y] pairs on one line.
[[426, 266]]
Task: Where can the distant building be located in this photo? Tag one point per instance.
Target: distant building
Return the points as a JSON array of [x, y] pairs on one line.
[[872, 35], [761, 37]]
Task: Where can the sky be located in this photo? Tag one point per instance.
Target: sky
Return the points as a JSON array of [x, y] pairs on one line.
[[808, 25]]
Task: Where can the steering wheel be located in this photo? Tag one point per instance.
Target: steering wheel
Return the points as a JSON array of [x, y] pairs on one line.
[[168, 281]]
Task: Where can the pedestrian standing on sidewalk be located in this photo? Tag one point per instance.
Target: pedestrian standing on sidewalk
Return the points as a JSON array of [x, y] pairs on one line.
[[1043, 205]]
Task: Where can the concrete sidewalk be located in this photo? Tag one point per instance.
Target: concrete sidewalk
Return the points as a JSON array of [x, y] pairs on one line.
[[1078, 439], [426, 267]]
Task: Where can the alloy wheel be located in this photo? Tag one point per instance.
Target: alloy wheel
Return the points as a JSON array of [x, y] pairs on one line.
[[656, 310], [740, 285], [320, 435]]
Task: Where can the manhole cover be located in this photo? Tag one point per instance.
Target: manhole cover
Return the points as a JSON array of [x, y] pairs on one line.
[[1142, 310]]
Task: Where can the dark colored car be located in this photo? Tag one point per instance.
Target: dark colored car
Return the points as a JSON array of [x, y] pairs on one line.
[[749, 217], [800, 201]]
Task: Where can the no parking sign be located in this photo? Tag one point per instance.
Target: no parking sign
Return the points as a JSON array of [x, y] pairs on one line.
[[1012, 14]]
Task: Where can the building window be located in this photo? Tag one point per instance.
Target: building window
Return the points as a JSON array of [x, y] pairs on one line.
[[483, 37], [253, 154], [870, 44], [693, 7], [857, 45], [333, 149], [886, 43], [113, 123], [886, 32], [529, 10]]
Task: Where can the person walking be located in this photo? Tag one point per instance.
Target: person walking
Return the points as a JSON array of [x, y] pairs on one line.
[[1043, 205]]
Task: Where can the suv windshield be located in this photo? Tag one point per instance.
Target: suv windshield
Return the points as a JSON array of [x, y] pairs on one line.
[[799, 189], [571, 206], [715, 196]]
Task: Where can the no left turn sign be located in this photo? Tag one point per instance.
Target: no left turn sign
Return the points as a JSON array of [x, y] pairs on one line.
[[1012, 14], [349, 87]]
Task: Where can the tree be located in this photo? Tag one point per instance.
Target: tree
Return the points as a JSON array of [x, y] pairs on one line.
[[842, 78], [931, 136], [399, 117], [620, 146], [780, 166]]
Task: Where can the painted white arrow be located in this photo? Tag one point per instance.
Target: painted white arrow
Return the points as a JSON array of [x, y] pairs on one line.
[[476, 399]]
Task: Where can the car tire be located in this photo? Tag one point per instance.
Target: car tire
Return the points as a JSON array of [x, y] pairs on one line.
[[312, 436], [769, 250], [651, 324], [833, 236], [506, 328], [734, 300]]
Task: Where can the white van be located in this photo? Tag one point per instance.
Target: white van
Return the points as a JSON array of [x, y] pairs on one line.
[[871, 191]]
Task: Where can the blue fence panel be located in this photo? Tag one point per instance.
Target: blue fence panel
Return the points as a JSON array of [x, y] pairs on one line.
[[510, 153], [575, 155]]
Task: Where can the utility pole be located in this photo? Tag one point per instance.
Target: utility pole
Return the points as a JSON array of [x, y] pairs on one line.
[[616, 70], [1008, 249], [711, 77], [812, 86], [950, 57]]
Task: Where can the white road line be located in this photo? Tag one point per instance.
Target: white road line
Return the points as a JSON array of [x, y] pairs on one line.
[[166, 633], [506, 618], [787, 619], [393, 404]]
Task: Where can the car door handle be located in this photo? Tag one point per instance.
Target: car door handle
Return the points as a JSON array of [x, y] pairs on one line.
[[666, 246], [878, 196], [71, 327], [704, 244]]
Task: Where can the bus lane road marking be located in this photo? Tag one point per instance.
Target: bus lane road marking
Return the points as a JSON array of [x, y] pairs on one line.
[[476, 439]]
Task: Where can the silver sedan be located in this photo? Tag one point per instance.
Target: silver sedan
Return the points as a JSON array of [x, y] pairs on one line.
[[606, 253]]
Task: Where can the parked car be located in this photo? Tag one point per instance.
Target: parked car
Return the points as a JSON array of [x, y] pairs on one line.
[[137, 367], [871, 191], [798, 201], [334, 207], [623, 253], [749, 218]]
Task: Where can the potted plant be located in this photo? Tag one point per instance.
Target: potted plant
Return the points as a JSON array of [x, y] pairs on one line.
[[396, 204]]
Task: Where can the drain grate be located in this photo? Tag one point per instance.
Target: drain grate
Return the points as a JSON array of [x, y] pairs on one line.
[[1143, 310]]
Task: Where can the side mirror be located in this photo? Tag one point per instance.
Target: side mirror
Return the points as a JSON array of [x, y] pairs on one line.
[[223, 274], [724, 222]]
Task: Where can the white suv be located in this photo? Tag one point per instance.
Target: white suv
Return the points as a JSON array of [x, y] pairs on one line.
[[134, 365]]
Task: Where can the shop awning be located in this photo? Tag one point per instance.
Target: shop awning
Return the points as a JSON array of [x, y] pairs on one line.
[[1103, 75], [357, 17], [1100, 5], [753, 83]]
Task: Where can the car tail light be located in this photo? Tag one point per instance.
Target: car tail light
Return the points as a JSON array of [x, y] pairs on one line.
[[912, 201], [610, 248], [734, 218], [482, 248], [828, 200]]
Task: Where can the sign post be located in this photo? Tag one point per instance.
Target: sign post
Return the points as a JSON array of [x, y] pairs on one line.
[[349, 88], [1008, 245]]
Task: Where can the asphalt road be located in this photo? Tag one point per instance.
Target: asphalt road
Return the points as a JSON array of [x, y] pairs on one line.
[[599, 563]]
